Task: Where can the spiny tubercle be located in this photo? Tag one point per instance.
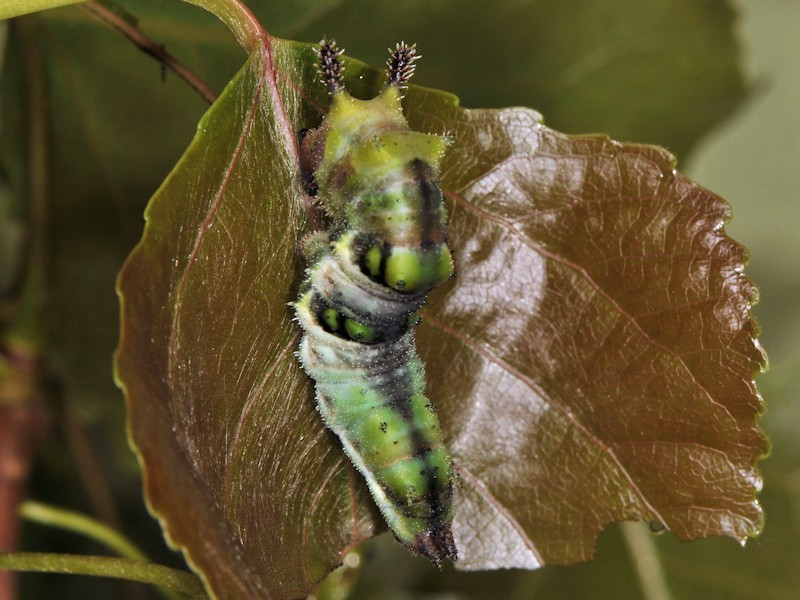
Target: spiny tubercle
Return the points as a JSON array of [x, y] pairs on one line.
[[330, 67]]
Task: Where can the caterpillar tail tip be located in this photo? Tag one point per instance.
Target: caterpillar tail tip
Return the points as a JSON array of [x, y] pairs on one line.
[[436, 544]]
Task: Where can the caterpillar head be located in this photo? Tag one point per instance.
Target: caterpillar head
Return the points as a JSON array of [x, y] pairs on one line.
[[349, 118]]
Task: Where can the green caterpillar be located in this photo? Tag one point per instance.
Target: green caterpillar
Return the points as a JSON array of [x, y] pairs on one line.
[[367, 277]]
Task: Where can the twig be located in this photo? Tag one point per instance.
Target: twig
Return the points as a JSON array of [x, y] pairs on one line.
[[148, 46], [93, 478], [54, 516], [104, 566], [646, 561]]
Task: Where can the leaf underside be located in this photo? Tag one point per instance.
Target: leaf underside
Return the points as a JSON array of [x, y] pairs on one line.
[[592, 362]]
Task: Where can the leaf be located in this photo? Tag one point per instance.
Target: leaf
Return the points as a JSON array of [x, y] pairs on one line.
[[15, 8], [605, 349], [99, 105], [219, 411], [765, 569], [592, 363]]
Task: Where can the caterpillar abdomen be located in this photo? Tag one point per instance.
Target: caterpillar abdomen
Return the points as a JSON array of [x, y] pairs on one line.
[[367, 277]]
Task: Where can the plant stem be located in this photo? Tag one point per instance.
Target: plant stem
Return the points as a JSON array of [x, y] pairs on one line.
[[85, 456], [73, 521], [237, 17], [21, 429], [646, 561], [54, 516], [102, 566], [149, 46]]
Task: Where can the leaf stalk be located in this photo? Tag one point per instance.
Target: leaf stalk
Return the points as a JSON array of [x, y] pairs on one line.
[[103, 566]]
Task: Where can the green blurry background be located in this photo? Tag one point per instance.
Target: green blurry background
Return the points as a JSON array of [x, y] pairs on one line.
[[719, 87]]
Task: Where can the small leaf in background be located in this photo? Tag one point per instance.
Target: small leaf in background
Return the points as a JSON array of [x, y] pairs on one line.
[[593, 361]]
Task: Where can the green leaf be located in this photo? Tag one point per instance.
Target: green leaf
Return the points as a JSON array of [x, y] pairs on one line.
[[593, 362], [15, 8]]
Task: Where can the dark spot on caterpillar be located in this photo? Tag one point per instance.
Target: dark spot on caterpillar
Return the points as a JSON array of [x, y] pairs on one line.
[[421, 452], [316, 303], [384, 426]]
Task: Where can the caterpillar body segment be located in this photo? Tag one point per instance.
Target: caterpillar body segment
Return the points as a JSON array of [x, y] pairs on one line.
[[372, 397], [367, 278], [380, 178]]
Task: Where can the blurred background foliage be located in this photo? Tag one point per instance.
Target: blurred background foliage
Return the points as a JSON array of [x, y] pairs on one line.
[[716, 83]]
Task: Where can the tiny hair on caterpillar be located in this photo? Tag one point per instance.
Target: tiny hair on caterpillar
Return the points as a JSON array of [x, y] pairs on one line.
[[367, 277]]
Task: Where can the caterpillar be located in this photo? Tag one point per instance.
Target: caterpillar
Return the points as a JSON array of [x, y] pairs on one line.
[[367, 277]]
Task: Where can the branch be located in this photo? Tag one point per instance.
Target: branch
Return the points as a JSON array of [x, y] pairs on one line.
[[149, 46], [103, 566]]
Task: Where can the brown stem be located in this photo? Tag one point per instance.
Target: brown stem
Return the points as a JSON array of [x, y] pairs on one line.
[[24, 417], [91, 473], [148, 46], [24, 422]]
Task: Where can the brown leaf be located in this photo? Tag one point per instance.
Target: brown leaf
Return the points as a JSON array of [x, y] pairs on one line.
[[595, 361], [592, 362], [235, 458]]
